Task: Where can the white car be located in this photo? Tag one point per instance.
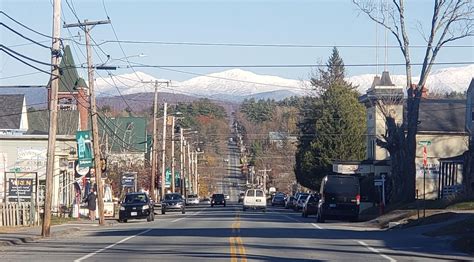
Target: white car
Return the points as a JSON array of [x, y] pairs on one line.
[[255, 198], [192, 200]]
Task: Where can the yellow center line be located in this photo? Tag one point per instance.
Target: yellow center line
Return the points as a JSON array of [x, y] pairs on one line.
[[237, 249], [233, 255]]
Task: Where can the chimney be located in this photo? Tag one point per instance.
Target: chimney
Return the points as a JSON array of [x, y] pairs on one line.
[[82, 98]]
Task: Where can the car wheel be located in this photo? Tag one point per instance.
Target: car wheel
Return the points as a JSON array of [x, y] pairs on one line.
[[224, 205], [354, 219], [120, 220], [149, 218], [124, 220], [212, 205], [163, 212], [183, 211]]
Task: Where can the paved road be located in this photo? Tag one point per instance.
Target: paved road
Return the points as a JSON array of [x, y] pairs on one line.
[[228, 234]]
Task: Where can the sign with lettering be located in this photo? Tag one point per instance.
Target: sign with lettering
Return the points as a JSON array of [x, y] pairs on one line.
[[21, 187], [84, 148]]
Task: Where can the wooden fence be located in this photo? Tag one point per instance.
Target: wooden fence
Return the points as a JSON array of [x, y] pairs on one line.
[[16, 214]]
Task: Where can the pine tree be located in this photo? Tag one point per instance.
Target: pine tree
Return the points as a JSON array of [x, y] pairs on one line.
[[335, 127]]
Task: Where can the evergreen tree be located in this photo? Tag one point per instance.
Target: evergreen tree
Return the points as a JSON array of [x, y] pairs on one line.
[[333, 126]]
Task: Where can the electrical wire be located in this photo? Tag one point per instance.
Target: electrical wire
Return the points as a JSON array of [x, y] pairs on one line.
[[2, 47], [24, 62], [23, 36], [263, 45], [24, 26]]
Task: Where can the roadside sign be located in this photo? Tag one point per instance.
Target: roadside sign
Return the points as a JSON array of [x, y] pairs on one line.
[[15, 169], [168, 178], [84, 148]]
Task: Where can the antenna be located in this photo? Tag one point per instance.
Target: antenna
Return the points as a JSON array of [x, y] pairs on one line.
[[386, 40], [377, 46]]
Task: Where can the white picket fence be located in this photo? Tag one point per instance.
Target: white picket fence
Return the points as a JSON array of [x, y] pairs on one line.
[[15, 214]]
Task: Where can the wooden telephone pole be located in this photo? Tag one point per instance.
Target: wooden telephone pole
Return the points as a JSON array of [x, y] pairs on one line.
[[87, 26], [53, 118], [154, 152]]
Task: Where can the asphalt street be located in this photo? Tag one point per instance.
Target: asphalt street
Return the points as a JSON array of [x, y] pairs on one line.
[[219, 233], [229, 234]]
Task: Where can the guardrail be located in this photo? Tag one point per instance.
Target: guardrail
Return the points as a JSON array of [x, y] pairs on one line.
[[15, 214]]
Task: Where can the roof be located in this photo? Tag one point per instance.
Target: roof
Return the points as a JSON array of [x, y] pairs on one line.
[[11, 107], [68, 122], [125, 134], [385, 80], [69, 80], [442, 115]]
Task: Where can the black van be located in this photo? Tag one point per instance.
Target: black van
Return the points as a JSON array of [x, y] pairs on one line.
[[340, 198]]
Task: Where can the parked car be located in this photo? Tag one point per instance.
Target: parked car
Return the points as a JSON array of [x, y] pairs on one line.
[[192, 200], [340, 198], [205, 200], [218, 199], [255, 198], [310, 206], [278, 200], [136, 206], [241, 197], [173, 202], [289, 202], [301, 200]]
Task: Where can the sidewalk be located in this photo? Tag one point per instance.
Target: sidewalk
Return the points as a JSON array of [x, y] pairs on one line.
[[20, 235]]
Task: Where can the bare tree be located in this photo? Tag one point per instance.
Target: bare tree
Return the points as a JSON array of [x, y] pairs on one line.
[[451, 20]]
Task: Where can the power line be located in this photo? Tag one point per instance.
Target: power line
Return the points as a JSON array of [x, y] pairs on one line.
[[21, 75], [2, 47], [261, 45], [26, 63], [24, 37], [118, 41], [24, 26], [138, 65]]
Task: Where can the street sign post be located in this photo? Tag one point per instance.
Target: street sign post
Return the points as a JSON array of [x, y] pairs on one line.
[[425, 144]]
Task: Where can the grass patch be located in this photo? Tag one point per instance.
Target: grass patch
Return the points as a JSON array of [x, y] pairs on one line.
[[429, 219], [469, 205]]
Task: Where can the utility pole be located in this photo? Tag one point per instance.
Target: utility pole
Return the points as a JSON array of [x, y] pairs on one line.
[[154, 152], [265, 178], [190, 171], [87, 26], [163, 156], [181, 156], [53, 119], [172, 155], [154, 155]]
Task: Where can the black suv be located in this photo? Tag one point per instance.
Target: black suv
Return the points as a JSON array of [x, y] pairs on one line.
[[136, 206], [173, 202], [340, 198], [217, 199]]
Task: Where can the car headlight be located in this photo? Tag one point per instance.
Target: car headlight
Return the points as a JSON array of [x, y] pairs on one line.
[[122, 208], [145, 207]]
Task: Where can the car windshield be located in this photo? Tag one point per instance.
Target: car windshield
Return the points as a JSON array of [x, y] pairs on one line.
[[218, 196], [135, 198], [259, 193], [173, 197]]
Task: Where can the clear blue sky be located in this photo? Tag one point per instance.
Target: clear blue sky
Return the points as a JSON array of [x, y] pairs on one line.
[[312, 22]]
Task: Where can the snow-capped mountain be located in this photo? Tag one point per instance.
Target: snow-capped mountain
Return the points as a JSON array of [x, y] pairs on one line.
[[440, 81], [236, 84]]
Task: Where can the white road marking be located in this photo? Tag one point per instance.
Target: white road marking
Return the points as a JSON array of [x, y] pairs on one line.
[[316, 226], [193, 214], [375, 251], [111, 246]]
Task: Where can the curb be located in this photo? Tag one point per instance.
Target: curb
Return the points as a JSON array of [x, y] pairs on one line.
[[25, 240]]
